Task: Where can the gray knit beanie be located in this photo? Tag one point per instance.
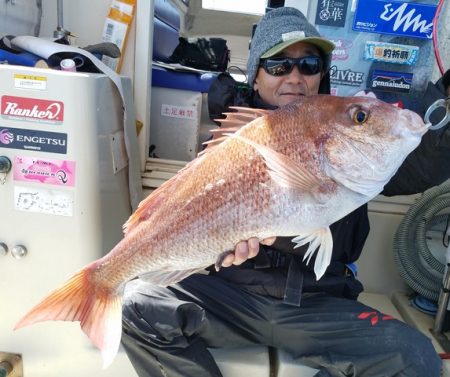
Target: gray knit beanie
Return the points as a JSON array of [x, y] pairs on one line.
[[278, 29]]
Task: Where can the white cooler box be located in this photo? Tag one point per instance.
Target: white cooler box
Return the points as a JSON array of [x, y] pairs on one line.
[[62, 205], [179, 120], [177, 117]]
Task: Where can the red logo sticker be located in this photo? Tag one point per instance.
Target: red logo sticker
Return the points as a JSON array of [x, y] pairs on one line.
[[32, 109]]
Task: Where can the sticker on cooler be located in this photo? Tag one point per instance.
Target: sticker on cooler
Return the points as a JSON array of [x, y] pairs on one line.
[[40, 200], [48, 171], [30, 82], [32, 109], [182, 112], [34, 140]]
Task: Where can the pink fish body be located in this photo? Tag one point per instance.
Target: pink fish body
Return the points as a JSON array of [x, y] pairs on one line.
[[289, 172]]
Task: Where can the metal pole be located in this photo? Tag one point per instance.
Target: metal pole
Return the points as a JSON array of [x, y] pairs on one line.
[[443, 302], [59, 10], [60, 32]]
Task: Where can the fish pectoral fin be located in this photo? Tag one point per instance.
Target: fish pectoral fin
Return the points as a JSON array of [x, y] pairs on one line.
[[321, 239], [165, 277], [282, 169]]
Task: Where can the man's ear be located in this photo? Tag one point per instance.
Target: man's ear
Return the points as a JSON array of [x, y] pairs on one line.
[[255, 85]]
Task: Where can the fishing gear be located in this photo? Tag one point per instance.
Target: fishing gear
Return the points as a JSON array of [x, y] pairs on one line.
[[440, 103]]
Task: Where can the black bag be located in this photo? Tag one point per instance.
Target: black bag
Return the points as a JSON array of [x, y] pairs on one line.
[[224, 92], [207, 54]]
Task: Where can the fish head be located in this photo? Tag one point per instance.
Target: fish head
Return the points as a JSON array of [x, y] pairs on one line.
[[366, 141]]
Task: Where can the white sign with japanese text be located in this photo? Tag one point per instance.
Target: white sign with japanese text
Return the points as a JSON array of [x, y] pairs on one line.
[[182, 112]]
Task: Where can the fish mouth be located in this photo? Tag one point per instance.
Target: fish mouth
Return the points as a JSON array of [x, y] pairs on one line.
[[414, 122]]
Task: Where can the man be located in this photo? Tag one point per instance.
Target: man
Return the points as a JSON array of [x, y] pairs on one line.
[[273, 298]]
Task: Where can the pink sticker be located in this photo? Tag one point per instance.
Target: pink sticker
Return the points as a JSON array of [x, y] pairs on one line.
[[52, 172], [342, 50]]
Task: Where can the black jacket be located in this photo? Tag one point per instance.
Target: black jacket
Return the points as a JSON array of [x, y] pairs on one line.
[[278, 270]]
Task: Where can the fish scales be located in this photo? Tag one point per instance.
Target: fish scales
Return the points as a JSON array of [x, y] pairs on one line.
[[236, 170]]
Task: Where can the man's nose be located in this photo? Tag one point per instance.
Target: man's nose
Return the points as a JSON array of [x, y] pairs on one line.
[[295, 76]]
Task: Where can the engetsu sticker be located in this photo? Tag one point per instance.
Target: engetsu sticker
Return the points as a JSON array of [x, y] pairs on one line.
[[346, 77], [392, 81], [34, 140], [391, 53], [331, 12]]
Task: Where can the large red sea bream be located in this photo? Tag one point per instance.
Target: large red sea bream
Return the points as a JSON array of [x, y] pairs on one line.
[[288, 172]]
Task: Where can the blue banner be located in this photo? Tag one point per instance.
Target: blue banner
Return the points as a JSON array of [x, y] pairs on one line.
[[394, 17]]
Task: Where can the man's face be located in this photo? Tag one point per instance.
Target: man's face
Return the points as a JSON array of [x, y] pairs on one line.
[[281, 90]]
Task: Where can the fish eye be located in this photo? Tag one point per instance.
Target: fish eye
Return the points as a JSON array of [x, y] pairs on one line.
[[360, 116]]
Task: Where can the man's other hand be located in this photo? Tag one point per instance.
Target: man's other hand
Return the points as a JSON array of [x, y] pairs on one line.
[[245, 250]]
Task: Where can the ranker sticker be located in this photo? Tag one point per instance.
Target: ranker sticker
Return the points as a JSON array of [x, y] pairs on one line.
[[36, 110], [392, 81], [40, 141], [391, 53]]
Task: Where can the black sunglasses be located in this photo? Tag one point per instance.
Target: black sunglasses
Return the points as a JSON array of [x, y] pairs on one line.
[[307, 65]]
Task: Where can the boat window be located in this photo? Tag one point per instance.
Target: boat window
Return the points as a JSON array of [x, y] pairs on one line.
[[237, 6]]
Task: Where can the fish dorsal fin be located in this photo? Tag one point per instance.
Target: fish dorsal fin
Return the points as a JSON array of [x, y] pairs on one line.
[[141, 212], [241, 116], [248, 110], [233, 122], [321, 239], [283, 170], [211, 144], [156, 198]]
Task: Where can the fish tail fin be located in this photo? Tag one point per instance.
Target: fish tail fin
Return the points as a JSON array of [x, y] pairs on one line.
[[98, 309]]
